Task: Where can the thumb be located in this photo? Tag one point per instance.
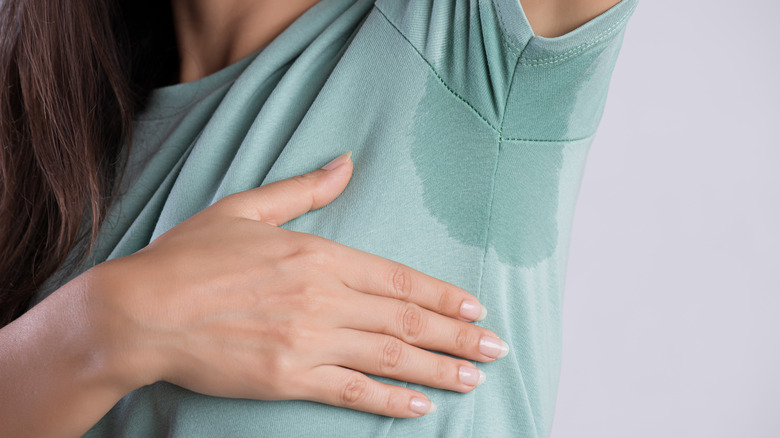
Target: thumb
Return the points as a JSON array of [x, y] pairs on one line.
[[281, 201]]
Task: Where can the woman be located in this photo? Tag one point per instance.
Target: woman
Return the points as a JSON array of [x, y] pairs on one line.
[[218, 312]]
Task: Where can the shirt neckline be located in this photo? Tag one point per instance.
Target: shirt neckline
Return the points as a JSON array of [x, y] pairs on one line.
[[172, 99]]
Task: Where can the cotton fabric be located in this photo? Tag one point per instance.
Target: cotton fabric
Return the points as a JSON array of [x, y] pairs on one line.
[[469, 137]]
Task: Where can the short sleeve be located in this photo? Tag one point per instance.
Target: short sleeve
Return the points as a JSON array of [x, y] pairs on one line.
[[486, 53], [560, 84]]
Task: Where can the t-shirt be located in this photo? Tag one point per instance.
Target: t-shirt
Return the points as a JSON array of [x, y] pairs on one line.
[[469, 137]]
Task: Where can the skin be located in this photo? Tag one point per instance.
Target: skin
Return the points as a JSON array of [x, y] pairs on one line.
[[229, 304], [214, 34], [551, 19]]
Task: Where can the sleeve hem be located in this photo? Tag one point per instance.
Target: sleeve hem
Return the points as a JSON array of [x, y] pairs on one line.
[[539, 50]]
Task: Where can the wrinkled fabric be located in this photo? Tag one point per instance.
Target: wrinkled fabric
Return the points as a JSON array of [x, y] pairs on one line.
[[469, 137]]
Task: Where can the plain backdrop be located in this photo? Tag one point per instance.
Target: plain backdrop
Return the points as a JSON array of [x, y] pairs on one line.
[[672, 305]]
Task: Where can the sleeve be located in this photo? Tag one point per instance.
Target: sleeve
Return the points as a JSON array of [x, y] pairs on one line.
[[485, 52], [560, 84]]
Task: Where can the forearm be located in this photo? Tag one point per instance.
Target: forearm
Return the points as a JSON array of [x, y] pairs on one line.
[[57, 378]]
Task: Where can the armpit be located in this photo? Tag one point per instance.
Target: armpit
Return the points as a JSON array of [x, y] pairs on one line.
[[553, 18]]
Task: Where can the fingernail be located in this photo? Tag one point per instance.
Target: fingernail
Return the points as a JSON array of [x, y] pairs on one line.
[[493, 347], [471, 376], [473, 311], [338, 161], [422, 406]]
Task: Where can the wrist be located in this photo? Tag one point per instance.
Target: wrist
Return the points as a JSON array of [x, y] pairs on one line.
[[124, 355], [61, 366]]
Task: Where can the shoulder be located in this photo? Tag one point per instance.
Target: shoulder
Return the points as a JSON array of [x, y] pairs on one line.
[[552, 18]]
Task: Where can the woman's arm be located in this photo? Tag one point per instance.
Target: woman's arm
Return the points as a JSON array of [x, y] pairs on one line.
[[229, 304], [58, 373], [557, 17]]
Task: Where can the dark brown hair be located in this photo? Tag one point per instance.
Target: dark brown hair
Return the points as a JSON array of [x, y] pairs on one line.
[[72, 74]]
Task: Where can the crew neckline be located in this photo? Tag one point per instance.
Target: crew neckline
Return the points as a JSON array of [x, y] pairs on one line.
[[172, 99]]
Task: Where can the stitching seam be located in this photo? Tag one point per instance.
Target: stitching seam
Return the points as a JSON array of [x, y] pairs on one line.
[[499, 130], [534, 62], [504, 33], [536, 140], [458, 96]]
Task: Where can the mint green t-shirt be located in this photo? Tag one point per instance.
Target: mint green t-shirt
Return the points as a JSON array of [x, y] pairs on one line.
[[469, 137]]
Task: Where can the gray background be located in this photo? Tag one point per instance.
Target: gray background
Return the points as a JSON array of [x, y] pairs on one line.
[[673, 290]]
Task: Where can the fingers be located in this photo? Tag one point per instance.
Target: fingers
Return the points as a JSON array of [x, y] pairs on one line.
[[281, 201], [350, 389], [388, 356], [375, 275], [416, 326]]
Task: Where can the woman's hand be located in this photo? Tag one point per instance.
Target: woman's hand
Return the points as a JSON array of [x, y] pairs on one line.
[[229, 304]]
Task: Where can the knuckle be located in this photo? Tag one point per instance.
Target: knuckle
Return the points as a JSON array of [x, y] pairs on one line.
[[242, 204], [319, 257], [442, 373], [391, 356], [229, 199], [280, 367], [354, 391], [393, 403], [305, 183], [318, 254], [231, 203], [400, 283], [411, 322], [446, 298], [308, 255], [464, 339]]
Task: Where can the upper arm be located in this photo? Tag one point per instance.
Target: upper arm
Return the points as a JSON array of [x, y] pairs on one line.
[[552, 18]]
